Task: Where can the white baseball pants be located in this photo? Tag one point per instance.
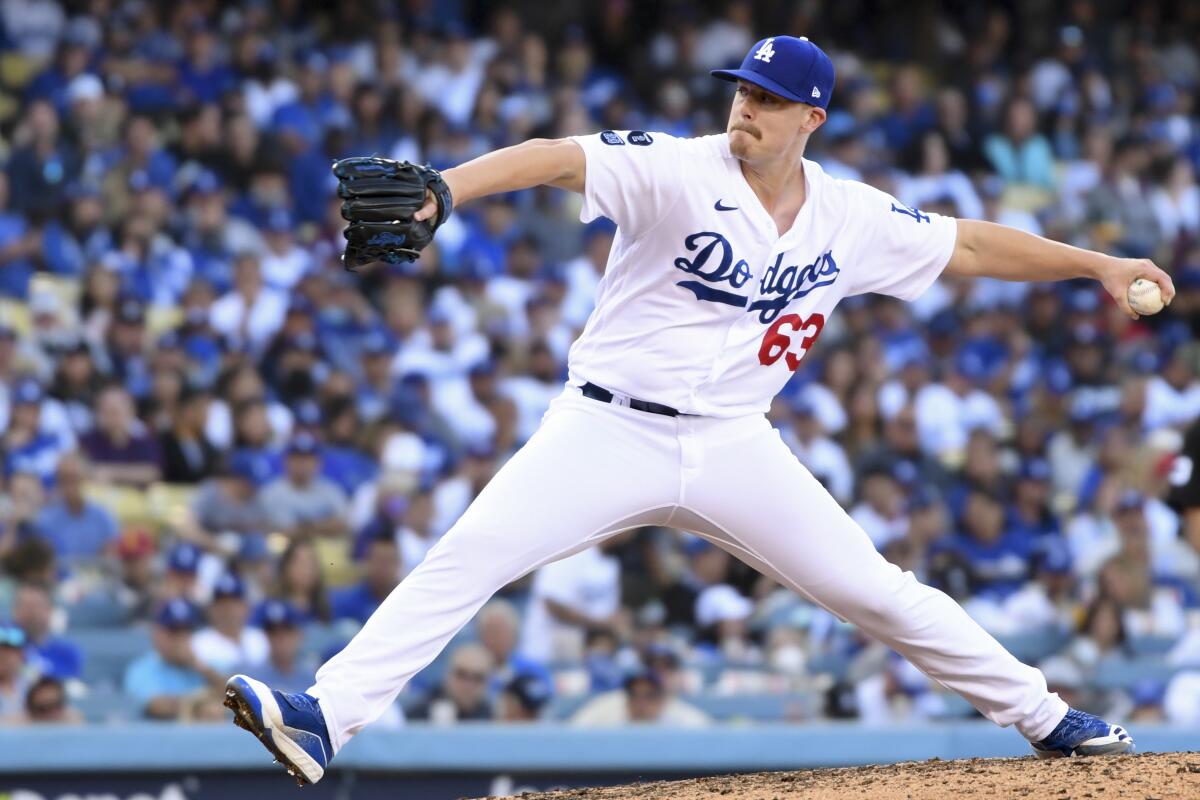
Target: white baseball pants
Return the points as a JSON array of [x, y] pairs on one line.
[[593, 469]]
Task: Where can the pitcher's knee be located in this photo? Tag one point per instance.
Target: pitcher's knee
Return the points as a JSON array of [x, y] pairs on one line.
[[883, 605]]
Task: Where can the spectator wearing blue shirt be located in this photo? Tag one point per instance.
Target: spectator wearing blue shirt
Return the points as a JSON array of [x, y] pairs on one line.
[[997, 561], [201, 75], [30, 447], [285, 668], [380, 567], [70, 244], [78, 529], [1030, 513], [40, 170], [164, 681], [18, 246], [32, 610]]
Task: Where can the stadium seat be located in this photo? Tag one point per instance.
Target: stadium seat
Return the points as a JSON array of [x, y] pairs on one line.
[[1033, 646], [1125, 672], [105, 705], [108, 653], [98, 610]]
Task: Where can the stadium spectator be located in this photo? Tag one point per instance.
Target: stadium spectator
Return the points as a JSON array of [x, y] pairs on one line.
[[187, 455], [229, 640], [14, 677], [299, 581], [46, 703], [570, 597], [78, 529], [228, 509], [380, 566], [120, 448], [163, 681], [33, 613], [302, 501], [645, 699], [463, 693], [523, 698], [285, 666], [180, 578]]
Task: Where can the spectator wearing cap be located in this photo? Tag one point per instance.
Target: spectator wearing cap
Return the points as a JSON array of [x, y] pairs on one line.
[[462, 695], [163, 682], [14, 677], [137, 587], [284, 668], [523, 698], [645, 699], [78, 529], [343, 459], [251, 312], [722, 616], [120, 448], [380, 566], [284, 262], [31, 446], [123, 356], [584, 272], [188, 456], [228, 509], [301, 501], [375, 387], [180, 580], [229, 640], [949, 411], [33, 612]]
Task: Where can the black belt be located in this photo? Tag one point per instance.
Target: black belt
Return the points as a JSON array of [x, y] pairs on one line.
[[595, 392]]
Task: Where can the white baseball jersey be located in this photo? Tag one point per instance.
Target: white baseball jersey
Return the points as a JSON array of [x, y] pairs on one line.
[[703, 305]]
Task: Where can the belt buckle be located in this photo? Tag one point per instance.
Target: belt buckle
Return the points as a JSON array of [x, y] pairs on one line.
[[621, 400]]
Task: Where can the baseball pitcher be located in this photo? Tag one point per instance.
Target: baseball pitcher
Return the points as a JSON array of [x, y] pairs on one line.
[[732, 251]]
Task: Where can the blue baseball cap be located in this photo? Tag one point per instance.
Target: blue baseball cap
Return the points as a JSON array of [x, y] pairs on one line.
[[178, 615], [228, 585], [303, 444], [789, 67], [27, 392], [274, 614], [184, 557]]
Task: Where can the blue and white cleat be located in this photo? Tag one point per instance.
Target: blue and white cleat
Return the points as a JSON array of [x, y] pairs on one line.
[[291, 726], [1081, 734]]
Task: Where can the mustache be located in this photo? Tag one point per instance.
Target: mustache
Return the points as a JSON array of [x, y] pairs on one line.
[[750, 129]]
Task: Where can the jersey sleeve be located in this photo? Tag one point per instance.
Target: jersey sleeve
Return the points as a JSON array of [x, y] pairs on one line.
[[901, 250], [632, 177]]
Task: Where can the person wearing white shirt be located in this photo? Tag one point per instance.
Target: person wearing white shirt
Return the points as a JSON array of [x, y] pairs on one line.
[[824, 457], [283, 262], [251, 313], [228, 640], [567, 598]]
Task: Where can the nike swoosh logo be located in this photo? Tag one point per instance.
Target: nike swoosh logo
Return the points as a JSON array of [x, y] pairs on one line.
[[720, 207]]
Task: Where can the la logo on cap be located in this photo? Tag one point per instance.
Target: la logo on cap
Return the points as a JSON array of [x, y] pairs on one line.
[[766, 52]]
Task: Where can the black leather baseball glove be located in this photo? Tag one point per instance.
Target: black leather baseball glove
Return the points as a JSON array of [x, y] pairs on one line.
[[380, 197]]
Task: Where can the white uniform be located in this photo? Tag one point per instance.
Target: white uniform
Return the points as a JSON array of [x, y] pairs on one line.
[[705, 308]]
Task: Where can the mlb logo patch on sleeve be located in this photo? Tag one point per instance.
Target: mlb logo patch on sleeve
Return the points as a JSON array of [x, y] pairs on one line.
[[640, 137], [611, 137]]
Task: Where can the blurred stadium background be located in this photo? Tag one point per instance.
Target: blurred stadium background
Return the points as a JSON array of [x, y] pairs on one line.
[[221, 450]]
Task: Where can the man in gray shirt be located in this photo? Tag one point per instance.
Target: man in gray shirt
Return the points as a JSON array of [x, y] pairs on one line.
[[301, 501]]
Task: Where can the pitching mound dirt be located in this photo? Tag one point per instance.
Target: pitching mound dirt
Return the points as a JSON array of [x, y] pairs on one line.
[[1162, 776]]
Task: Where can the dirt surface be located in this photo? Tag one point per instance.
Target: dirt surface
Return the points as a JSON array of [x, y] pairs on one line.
[[1162, 776]]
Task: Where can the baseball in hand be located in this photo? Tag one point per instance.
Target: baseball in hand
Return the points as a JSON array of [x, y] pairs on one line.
[[1145, 297]]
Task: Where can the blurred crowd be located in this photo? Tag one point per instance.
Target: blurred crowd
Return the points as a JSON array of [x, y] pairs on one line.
[[222, 450]]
